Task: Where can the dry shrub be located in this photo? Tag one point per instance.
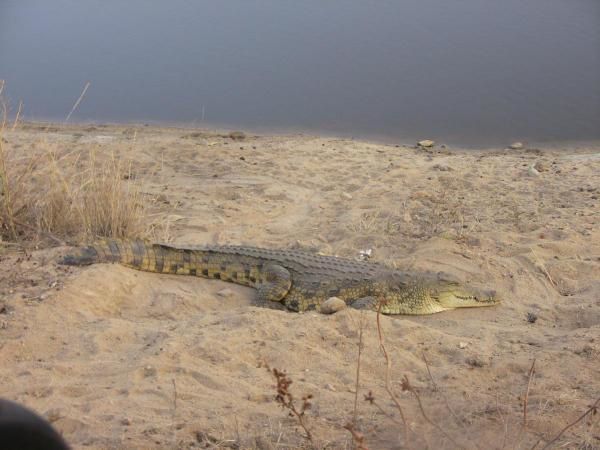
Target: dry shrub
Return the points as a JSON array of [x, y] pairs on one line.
[[51, 194]]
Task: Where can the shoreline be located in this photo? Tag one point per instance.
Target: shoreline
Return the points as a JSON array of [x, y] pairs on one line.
[[550, 145]]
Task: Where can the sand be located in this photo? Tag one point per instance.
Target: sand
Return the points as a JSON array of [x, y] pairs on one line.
[[116, 358]]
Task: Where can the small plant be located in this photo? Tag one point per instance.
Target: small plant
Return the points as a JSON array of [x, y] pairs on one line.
[[286, 400]]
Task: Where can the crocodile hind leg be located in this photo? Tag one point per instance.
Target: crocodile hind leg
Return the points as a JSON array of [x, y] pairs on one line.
[[274, 284], [366, 303]]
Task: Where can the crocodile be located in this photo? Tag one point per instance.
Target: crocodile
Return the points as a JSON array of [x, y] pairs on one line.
[[299, 280]]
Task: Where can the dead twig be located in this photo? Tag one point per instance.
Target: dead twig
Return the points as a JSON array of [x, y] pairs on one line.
[[357, 383], [357, 437], [543, 268], [526, 399], [406, 386], [593, 410], [435, 388], [388, 370], [448, 407], [85, 88]]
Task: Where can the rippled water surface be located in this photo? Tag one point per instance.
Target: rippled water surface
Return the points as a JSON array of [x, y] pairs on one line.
[[470, 72]]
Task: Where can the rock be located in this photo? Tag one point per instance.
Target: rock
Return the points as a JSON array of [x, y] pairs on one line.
[[125, 422], [330, 387], [346, 195], [540, 166], [516, 145], [462, 345], [475, 362], [332, 305], [365, 255], [426, 143], [149, 371], [442, 168], [532, 317], [226, 293], [532, 172], [237, 135]]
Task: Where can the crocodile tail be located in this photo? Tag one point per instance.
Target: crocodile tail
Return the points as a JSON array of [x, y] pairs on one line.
[[137, 254], [108, 251]]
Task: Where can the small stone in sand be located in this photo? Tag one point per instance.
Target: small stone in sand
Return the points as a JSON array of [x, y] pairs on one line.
[[149, 371], [532, 172], [365, 255], [516, 145], [426, 143], [346, 196], [237, 135], [532, 317], [226, 293], [332, 305], [462, 345], [475, 362], [442, 168]]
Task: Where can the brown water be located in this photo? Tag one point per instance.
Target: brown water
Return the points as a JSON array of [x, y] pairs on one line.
[[469, 72]]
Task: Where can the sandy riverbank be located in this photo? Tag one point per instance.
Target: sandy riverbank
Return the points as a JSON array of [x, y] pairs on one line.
[[122, 359]]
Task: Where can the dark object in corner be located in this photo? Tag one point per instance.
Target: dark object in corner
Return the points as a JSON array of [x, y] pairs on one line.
[[22, 429]]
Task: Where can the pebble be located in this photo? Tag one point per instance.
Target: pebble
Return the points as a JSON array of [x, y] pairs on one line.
[[237, 135], [426, 143], [516, 145], [462, 345], [332, 305], [226, 293], [475, 362], [532, 317], [330, 387], [442, 168], [346, 196], [532, 172], [365, 255]]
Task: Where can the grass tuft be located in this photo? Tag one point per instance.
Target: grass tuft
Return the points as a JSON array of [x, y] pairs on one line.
[[50, 194]]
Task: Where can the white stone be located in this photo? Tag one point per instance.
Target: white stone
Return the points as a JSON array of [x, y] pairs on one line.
[[532, 172], [332, 305]]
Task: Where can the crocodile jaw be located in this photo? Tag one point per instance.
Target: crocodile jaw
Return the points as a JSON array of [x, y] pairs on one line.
[[452, 296]]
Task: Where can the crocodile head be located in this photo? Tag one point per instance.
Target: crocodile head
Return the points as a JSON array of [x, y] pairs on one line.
[[431, 293]]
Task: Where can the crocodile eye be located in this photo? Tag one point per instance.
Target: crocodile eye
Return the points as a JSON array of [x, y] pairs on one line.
[[447, 278]]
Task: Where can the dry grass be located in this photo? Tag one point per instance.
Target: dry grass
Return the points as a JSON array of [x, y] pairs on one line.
[[50, 194]]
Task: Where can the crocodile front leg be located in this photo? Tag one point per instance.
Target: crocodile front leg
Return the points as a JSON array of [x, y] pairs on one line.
[[275, 283]]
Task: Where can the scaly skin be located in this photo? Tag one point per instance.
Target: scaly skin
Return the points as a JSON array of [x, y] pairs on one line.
[[300, 280]]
